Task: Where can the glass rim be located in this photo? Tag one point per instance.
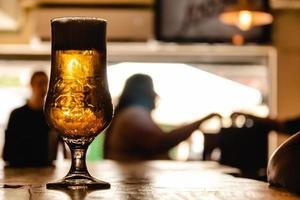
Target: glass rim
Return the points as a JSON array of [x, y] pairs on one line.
[[78, 18]]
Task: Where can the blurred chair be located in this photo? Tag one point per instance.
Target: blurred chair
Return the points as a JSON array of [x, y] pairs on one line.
[[243, 147], [211, 143], [246, 149]]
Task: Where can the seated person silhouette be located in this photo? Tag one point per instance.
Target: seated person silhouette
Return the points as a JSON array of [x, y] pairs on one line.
[[133, 135], [27, 135]]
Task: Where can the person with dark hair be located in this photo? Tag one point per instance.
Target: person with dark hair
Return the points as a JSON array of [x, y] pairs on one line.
[[133, 135], [27, 135]]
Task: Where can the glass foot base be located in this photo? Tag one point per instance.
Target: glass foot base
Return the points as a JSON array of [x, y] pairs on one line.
[[78, 182]]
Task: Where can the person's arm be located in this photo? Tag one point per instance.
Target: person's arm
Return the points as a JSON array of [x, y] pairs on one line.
[[273, 124], [291, 126], [182, 133], [148, 136]]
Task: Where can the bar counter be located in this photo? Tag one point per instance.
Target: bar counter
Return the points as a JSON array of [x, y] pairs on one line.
[[142, 180]]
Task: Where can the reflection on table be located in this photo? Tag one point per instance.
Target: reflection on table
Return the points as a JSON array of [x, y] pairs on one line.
[[142, 180]]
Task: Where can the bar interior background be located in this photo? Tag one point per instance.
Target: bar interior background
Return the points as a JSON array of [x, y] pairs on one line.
[[271, 68]]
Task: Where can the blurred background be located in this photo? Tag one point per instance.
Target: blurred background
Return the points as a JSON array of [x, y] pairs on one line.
[[201, 60]]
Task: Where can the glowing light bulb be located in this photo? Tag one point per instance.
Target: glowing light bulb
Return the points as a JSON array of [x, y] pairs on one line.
[[245, 17], [245, 20]]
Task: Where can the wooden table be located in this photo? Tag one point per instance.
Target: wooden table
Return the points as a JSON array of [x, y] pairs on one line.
[[142, 180]]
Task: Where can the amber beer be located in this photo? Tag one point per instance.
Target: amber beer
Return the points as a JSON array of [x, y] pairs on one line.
[[78, 102], [76, 109]]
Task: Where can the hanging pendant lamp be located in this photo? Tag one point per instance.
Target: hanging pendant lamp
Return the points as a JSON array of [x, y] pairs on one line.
[[244, 15]]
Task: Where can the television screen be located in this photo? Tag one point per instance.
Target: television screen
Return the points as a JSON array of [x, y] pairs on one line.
[[198, 21]]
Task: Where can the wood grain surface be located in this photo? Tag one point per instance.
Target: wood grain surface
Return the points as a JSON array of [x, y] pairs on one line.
[[142, 180]]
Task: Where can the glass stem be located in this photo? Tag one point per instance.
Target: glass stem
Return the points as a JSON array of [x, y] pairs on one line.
[[78, 160]]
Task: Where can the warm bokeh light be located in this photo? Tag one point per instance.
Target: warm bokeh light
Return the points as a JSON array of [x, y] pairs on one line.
[[244, 20], [183, 151], [7, 23], [197, 140], [238, 39]]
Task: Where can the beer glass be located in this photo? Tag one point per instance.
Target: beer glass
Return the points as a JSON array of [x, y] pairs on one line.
[[78, 103]]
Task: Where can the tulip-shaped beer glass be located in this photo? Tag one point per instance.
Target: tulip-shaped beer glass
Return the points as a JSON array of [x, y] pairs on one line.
[[78, 103]]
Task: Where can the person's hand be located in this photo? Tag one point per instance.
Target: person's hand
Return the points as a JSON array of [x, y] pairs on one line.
[[272, 123], [235, 115], [198, 123], [211, 116]]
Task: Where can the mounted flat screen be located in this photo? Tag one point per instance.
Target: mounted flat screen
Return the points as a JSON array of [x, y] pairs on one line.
[[197, 21]]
